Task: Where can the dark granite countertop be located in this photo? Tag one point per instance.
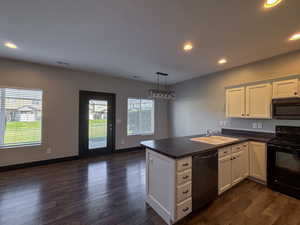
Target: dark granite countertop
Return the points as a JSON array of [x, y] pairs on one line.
[[179, 147]]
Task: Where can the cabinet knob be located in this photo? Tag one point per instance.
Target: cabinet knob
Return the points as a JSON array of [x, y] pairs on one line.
[[185, 164], [243, 114], [186, 209], [296, 93], [185, 177], [185, 192], [248, 114]]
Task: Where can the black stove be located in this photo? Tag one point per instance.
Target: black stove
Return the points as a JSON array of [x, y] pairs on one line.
[[284, 161]]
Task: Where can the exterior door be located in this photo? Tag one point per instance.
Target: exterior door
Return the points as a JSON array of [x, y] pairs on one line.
[[96, 123]]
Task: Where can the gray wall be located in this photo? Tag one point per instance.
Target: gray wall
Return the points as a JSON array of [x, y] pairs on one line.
[[200, 102], [60, 108]]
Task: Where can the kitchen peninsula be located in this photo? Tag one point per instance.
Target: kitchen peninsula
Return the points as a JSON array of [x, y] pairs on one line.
[[183, 175]]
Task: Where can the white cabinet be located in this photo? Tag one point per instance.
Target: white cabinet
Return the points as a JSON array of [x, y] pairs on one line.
[[233, 166], [245, 160], [237, 168], [258, 101], [258, 160], [224, 173], [169, 186], [249, 102], [286, 88], [235, 102]]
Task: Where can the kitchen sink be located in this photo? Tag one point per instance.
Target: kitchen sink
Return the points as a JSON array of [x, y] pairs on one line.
[[215, 140]]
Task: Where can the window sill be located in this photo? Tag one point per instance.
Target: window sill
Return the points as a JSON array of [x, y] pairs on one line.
[[20, 146], [150, 134]]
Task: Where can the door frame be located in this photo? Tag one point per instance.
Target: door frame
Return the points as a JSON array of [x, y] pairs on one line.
[[83, 126]]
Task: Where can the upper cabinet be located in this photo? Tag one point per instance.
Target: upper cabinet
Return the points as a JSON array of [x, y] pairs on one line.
[[286, 88], [235, 102], [249, 102], [255, 101], [258, 101]]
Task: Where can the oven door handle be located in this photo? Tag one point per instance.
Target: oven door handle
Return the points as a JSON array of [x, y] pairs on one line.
[[295, 150]]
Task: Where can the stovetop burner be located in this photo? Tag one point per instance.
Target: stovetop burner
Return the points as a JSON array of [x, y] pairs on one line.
[[287, 136]]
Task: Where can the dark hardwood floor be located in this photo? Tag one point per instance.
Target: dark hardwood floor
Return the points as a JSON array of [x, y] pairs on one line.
[[110, 190]]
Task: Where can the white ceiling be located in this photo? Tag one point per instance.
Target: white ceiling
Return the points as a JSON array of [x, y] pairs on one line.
[[140, 37]]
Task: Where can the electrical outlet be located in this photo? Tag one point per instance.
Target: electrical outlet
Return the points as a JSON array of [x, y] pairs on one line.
[[221, 123], [49, 150], [254, 125], [259, 125], [122, 141]]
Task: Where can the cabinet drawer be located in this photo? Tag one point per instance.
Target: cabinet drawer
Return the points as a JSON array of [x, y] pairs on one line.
[[184, 164], [184, 192], [184, 208], [224, 152], [236, 148], [245, 145], [184, 176]]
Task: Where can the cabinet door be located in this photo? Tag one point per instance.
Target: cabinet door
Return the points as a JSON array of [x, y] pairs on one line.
[[235, 102], [237, 168], [224, 173], [258, 101], [258, 160], [160, 187], [285, 88], [245, 160]]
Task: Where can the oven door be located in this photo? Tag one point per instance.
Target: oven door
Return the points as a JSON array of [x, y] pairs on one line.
[[284, 169], [286, 109]]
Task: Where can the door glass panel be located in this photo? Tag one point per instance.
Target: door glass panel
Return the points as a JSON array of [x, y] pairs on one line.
[[97, 124]]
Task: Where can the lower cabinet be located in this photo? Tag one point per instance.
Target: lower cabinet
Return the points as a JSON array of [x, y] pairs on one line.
[[224, 174], [169, 186], [258, 161], [233, 166], [240, 161]]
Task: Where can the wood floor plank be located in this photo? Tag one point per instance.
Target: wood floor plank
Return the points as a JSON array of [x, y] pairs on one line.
[[110, 190]]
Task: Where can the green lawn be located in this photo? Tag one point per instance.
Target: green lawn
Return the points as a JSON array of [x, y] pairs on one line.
[[22, 132], [97, 128], [28, 132]]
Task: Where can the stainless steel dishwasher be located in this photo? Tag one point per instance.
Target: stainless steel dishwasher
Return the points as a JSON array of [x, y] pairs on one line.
[[205, 179]]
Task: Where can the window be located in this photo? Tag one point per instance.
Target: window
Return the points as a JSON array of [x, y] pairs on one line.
[[20, 117], [140, 119]]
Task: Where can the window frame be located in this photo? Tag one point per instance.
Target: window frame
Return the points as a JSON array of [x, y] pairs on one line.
[[33, 144], [153, 116]]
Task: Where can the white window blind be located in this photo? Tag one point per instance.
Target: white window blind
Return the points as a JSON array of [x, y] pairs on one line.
[[20, 117], [140, 119]]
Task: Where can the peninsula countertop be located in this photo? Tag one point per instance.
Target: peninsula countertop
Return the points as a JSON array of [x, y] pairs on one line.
[[179, 147]]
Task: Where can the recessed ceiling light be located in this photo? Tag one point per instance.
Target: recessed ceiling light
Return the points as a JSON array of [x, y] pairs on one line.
[[222, 61], [271, 3], [10, 45], [188, 47], [295, 37]]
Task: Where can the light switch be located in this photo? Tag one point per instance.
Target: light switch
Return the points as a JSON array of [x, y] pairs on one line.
[[259, 125], [254, 125]]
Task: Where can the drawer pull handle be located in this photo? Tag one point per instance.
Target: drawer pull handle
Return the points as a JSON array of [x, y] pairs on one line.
[[225, 152], [185, 192], [185, 177], [185, 164], [186, 209]]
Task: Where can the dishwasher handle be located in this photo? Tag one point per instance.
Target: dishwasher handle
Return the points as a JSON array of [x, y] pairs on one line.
[[207, 156]]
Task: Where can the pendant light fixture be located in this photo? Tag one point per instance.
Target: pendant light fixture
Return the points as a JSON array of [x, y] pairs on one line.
[[161, 91]]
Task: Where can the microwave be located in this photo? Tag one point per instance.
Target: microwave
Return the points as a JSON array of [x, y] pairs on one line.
[[286, 109]]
